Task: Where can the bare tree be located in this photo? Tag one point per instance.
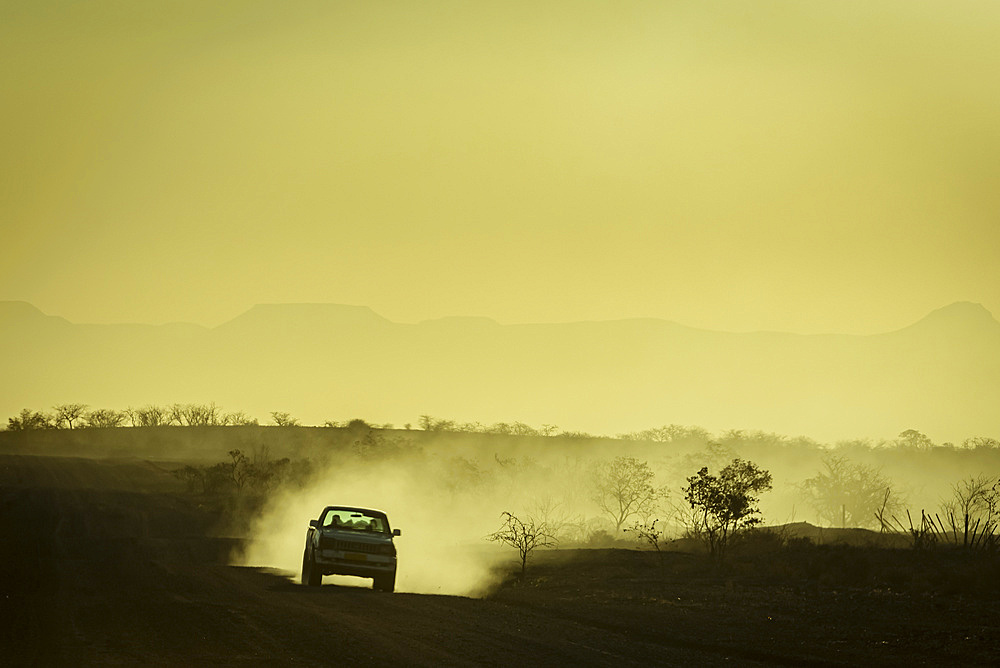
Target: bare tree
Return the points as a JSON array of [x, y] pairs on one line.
[[176, 415], [205, 415], [430, 423], [523, 536], [104, 418], [196, 415], [973, 509], [69, 413], [283, 419], [888, 503], [624, 489], [554, 516], [148, 416], [239, 419], [241, 469], [651, 535]]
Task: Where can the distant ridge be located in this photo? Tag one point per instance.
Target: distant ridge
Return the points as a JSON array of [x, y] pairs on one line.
[[962, 313], [304, 314], [21, 310], [458, 320], [965, 314], [940, 375]]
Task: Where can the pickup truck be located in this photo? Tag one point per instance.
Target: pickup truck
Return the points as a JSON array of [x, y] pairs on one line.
[[345, 540]]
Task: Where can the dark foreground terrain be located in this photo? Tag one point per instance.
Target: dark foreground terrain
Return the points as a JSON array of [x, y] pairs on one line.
[[112, 562]]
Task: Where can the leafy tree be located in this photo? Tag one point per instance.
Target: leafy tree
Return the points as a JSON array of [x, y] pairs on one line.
[[28, 419], [981, 443], [913, 439], [193, 476], [624, 489], [69, 413], [714, 455], [359, 425], [575, 435], [523, 536], [725, 505], [847, 494]]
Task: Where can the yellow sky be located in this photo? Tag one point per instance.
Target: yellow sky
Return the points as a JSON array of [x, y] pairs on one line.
[[799, 166]]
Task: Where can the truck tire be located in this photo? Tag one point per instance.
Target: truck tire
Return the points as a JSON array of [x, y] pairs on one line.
[[311, 576], [385, 583]]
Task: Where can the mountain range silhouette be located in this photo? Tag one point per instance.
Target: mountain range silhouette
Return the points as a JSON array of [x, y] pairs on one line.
[[940, 375]]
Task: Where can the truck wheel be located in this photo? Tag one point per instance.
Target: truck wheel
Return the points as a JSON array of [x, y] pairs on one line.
[[311, 575], [385, 583]]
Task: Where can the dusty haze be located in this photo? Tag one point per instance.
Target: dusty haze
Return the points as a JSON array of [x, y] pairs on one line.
[[322, 362], [446, 492], [604, 217], [805, 167], [774, 222]]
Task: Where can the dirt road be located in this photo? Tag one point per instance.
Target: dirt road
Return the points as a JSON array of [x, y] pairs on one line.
[[112, 563], [107, 563]]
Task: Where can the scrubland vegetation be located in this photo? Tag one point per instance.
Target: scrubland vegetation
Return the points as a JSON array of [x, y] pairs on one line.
[[745, 545], [666, 488]]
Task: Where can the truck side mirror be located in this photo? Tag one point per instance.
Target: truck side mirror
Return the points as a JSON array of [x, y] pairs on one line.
[[314, 523], [397, 532]]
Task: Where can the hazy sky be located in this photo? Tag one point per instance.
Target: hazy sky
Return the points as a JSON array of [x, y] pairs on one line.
[[800, 166]]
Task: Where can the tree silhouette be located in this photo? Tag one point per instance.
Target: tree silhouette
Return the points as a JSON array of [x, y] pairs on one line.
[[725, 505], [974, 509], [147, 416], [524, 536], [104, 417], [69, 413], [28, 419], [846, 494], [624, 489], [283, 419], [911, 438]]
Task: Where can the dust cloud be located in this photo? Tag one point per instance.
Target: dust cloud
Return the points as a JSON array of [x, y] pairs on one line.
[[444, 505], [446, 492]]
